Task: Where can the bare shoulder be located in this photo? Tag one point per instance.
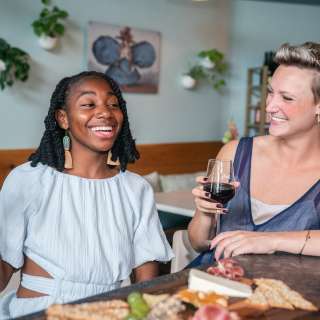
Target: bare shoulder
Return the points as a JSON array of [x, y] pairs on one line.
[[263, 144], [228, 151]]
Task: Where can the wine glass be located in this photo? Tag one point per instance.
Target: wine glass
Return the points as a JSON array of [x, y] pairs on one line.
[[220, 184]]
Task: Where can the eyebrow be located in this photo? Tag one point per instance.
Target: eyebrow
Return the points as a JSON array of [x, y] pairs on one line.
[[281, 92], [109, 93]]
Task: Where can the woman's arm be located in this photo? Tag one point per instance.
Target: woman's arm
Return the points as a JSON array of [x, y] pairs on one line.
[[202, 226], [201, 229], [300, 242], [234, 243], [6, 272], [146, 271]]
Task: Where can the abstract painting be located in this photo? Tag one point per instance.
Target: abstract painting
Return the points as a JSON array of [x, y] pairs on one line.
[[128, 55]]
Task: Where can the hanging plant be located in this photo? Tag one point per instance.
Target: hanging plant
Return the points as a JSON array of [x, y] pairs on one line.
[[14, 64], [210, 67], [48, 27]]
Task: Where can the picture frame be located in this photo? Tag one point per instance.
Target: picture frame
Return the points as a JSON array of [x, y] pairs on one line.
[[130, 56]]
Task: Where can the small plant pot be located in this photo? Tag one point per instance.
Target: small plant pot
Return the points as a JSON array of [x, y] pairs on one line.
[[2, 66], [188, 82], [207, 63], [48, 43]]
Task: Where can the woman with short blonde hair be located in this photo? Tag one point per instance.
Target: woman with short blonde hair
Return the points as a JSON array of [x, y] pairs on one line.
[[277, 206]]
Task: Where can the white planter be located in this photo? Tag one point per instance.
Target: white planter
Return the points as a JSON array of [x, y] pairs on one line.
[[188, 82], [47, 43], [2, 66], [207, 63]]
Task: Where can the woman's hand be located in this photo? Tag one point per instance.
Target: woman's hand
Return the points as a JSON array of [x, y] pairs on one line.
[[234, 243], [203, 201]]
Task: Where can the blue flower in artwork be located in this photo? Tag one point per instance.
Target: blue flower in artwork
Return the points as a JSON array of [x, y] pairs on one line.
[[123, 57]]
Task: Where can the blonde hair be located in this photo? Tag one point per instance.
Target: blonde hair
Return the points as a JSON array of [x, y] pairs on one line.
[[306, 55]]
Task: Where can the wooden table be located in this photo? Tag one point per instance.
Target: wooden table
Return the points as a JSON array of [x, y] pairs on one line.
[[301, 273], [177, 202]]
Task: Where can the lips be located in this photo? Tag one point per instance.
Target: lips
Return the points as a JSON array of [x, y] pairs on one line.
[[104, 131], [278, 119]]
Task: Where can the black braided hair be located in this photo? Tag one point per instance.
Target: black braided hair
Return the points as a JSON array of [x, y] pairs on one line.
[[51, 151]]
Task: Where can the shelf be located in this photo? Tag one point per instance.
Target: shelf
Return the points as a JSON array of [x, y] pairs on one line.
[[256, 100]]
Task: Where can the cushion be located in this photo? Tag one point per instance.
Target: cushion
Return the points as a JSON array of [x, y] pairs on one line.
[[154, 179], [175, 182]]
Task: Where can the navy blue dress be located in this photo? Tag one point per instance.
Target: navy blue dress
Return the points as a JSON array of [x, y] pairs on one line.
[[303, 214]]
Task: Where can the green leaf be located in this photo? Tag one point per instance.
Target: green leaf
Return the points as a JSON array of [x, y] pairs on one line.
[[17, 66], [58, 29], [197, 72], [220, 83], [63, 14], [48, 22], [45, 2]]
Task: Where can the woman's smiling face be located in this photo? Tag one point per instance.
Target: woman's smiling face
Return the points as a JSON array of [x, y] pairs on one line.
[[290, 101], [93, 116]]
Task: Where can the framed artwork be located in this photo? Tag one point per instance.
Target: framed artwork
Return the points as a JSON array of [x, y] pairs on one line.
[[128, 55]]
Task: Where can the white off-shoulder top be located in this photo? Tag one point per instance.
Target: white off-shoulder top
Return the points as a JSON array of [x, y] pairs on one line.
[[88, 234]]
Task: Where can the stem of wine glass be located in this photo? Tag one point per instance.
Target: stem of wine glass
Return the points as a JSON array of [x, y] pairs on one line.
[[217, 223]]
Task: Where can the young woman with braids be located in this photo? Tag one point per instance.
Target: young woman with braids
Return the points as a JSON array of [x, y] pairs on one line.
[[78, 227]]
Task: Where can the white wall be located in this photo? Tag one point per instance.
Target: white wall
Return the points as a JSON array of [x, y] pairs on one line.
[[243, 29], [257, 27], [173, 114]]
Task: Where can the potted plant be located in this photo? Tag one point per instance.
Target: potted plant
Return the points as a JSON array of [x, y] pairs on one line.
[[210, 67], [13, 64], [48, 26]]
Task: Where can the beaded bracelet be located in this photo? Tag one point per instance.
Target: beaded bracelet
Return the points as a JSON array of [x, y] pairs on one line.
[[305, 241]]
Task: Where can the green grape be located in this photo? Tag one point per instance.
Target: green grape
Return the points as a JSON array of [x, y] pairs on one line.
[[131, 316], [139, 307], [134, 296]]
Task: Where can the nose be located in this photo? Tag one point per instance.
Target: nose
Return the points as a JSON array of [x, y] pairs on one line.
[[272, 105], [103, 112]]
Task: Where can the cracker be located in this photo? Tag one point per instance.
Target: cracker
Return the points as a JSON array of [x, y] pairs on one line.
[[153, 299], [293, 297], [111, 310], [274, 297], [258, 298]]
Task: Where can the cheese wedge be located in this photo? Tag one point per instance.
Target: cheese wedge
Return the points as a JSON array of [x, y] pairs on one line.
[[203, 281]]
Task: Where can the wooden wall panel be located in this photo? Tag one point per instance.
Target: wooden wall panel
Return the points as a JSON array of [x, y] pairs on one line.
[[170, 158], [9, 159], [166, 158]]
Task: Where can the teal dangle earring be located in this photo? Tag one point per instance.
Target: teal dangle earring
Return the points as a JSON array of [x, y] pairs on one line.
[[67, 154]]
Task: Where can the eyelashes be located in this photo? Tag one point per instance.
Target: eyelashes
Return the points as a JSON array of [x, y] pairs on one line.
[[92, 105]]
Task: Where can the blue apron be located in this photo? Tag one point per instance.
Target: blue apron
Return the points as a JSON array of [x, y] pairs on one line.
[[303, 214]]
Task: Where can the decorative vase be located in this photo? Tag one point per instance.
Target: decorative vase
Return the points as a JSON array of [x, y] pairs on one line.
[[188, 82], [47, 42]]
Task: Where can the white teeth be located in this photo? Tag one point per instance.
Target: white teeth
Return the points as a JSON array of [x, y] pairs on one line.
[[278, 119], [101, 128]]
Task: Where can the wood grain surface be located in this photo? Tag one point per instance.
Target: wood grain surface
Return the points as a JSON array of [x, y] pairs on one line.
[[300, 273], [165, 158]]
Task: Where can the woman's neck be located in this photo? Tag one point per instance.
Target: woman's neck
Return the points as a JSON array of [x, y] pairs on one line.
[[304, 148], [91, 165]]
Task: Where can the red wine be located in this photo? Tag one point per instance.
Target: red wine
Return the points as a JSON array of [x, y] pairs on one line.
[[221, 192]]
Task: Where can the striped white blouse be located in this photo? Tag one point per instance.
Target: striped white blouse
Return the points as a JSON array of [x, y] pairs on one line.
[[88, 234]]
